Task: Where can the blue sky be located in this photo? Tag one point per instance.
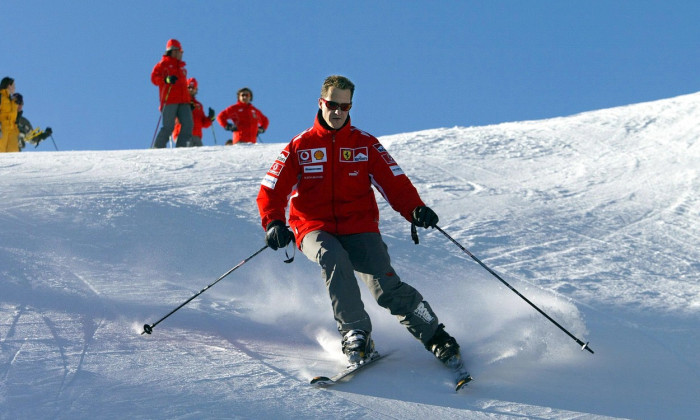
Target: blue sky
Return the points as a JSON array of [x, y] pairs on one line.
[[84, 66]]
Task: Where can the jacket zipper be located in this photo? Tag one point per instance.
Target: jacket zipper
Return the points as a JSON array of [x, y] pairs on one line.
[[332, 162]]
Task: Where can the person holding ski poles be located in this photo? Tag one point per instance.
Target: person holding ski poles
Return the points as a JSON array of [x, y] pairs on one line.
[[326, 174], [27, 133], [243, 119], [199, 119], [170, 75]]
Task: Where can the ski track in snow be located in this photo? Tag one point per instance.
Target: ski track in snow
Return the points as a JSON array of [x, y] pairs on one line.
[[594, 217]]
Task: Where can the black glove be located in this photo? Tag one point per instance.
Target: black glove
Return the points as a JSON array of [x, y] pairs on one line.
[[230, 127], [278, 235], [261, 130], [48, 131], [170, 80], [424, 217], [211, 115]]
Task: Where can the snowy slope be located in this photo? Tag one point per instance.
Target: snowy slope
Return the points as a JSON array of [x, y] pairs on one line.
[[594, 217]]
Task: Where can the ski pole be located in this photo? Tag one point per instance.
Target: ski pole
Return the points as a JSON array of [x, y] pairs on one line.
[[584, 346], [213, 132], [153, 142], [147, 329], [54, 142]]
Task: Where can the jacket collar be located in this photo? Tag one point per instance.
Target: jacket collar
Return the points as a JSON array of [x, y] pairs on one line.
[[167, 58], [322, 128]]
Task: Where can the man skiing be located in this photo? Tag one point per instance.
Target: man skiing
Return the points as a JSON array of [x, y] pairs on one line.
[[170, 75], [243, 119], [326, 175]]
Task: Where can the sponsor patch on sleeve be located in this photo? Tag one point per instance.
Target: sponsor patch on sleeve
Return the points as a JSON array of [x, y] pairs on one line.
[[269, 181], [388, 159], [396, 170], [384, 154], [283, 156], [276, 168]]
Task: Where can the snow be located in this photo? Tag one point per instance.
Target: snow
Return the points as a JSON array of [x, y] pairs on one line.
[[594, 217]]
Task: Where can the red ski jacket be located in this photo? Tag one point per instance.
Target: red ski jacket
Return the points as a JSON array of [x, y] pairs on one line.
[[170, 66], [198, 117], [247, 119], [327, 177]]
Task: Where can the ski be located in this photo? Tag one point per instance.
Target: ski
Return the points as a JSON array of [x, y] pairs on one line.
[[324, 381], [32, 134], [462, 376]]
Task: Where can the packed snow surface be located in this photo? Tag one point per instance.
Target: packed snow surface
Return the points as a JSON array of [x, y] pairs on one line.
[[593, 217]]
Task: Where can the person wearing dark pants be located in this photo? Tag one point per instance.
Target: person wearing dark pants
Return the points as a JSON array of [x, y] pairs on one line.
[[170, 76], [325, 175]]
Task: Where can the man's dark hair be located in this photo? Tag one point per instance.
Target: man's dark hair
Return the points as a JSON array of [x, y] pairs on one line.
[[339, 82]]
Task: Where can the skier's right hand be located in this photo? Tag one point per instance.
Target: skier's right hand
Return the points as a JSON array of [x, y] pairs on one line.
[[170, 80], [278, 235], [425, 217], [230, 127]]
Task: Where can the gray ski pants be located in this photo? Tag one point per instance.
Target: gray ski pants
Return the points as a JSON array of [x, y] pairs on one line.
[[366, 253], [183, 112]]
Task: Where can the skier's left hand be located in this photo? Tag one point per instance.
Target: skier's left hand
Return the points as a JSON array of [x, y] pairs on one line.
[[425, 217]]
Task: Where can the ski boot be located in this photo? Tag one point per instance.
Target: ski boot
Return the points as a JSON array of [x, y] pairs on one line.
[[444, 347], [446, 350], [357, 346]]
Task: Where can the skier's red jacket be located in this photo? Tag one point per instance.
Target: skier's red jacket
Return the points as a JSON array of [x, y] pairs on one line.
[[199, 119], [171, 66], [327, 176], [247, 119]]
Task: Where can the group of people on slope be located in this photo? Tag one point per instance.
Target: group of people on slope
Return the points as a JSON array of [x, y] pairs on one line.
[[318, 195], [183, 115], [13, 126]]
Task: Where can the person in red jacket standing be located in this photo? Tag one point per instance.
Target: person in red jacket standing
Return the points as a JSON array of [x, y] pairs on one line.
[[198, 118], [326, 174], [170, 76], [245, 120]]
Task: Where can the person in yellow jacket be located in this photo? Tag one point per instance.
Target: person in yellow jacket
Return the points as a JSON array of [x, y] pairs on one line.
[[9, 139]]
